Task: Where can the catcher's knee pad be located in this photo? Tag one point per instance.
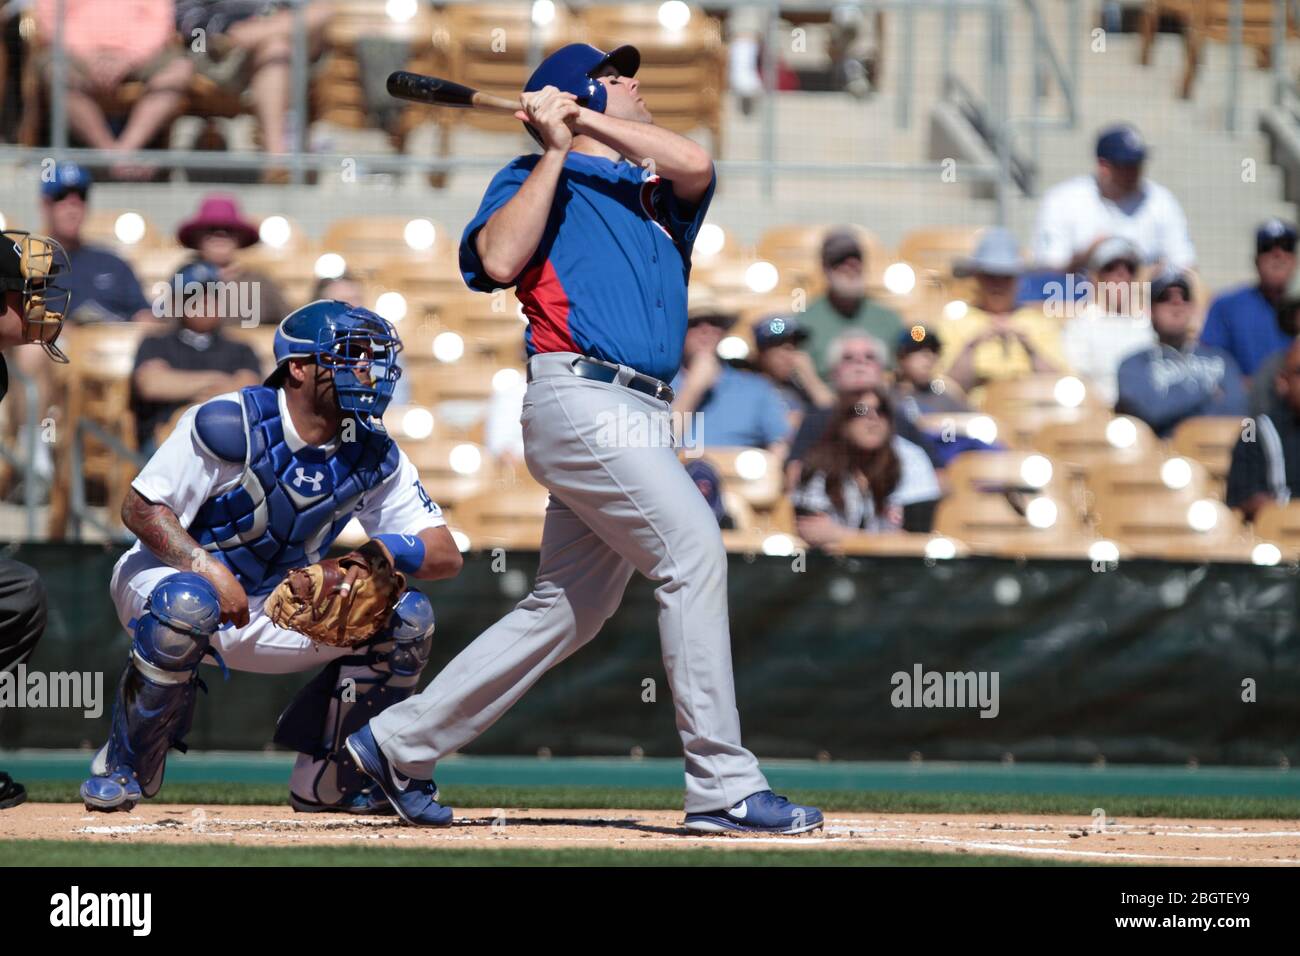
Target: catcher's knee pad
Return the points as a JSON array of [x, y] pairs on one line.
[[156, 696], [345, 695]]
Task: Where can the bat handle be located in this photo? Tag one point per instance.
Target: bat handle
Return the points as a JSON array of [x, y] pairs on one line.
[[497, 103]]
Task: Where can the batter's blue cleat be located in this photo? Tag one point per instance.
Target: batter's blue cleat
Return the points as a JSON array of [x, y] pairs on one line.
[[762, 812], [416, 801], [110, 792]]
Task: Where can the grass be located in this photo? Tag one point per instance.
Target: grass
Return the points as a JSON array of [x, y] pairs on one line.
[[67, 853], [833, 801]]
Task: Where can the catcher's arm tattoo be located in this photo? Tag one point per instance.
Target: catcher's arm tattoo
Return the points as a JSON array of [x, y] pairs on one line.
[[160, 531]]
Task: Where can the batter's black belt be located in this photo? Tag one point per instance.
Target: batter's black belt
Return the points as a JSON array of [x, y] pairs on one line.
[[601, 371]]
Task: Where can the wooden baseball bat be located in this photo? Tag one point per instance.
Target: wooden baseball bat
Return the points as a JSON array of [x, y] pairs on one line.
[[436, 91]]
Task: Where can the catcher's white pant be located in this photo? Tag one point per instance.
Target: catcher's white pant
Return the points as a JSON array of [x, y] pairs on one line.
[[259, 647], [617, 506]]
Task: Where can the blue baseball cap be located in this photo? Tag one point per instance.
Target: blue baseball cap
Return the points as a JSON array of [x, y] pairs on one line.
[[1166, 280], [915, 339], [1275, 232], [1121, 145], [778, 329], [67, 176]]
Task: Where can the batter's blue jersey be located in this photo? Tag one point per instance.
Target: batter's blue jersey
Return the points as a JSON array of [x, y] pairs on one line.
[[609, 276]]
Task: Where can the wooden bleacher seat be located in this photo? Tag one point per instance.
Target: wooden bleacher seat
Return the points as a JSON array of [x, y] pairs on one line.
[[762, 488], [933, 250], [1025, 405], [1160, 527], [1280, 525], [1209, 440], [1000, 472], [505, 518], [1098, 441], [683, 72], [491, 52], [991, 524], [892, 544], [433, 458]]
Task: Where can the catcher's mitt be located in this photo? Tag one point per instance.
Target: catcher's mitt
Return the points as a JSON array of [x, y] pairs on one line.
[[343, 601]]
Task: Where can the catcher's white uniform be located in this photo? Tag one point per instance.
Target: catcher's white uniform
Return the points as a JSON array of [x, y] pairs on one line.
[[182, 475]]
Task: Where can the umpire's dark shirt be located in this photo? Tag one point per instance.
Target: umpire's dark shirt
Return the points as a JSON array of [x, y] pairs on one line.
[[1266, 459], [188, 352]]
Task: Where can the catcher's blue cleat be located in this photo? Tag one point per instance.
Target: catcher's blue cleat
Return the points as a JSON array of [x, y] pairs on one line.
[[109, 792], [416, 801], [762, 812]]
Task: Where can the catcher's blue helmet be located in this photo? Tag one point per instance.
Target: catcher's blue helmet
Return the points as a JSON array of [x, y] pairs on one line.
[[570, 68], [357, 345]]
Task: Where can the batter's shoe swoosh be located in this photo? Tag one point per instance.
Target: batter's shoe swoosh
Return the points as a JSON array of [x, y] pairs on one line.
[[416, 801], [762, 812]]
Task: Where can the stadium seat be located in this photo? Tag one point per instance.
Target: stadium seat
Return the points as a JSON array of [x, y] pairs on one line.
[[683, 71], [1098, 441], [998, 472], [510, 518], [992, 524], [1167, 527], [491, 52], [1280, 525], [754, 474], [898, 544], [450, 469], [373, 244], [933, 250], [1209, 440], [1174, 477], [1027, 404]]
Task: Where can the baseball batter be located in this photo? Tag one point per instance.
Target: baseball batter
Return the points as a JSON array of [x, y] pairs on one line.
[[248, 486], [595, 234]]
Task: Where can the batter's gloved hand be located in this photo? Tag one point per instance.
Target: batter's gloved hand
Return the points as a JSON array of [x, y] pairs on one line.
[[341, 602]]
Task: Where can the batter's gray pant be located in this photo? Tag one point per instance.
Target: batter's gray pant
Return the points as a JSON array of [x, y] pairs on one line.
[[620, 501]]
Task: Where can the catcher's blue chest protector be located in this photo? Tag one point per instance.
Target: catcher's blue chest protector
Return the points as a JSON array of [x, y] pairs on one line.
[[290, 504]]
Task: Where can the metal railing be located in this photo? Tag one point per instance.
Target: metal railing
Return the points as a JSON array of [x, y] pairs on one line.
[[299, 162]]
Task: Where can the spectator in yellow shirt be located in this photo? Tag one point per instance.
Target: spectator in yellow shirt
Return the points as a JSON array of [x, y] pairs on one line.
[[994, 340]]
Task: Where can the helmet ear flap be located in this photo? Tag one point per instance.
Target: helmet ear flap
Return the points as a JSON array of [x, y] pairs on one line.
[[597, 95]]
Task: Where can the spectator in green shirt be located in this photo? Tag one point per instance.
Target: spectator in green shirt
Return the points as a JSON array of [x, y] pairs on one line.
[[846, 305]]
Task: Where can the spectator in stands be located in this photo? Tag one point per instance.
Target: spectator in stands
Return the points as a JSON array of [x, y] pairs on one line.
[[1109, 327], [727, 407], [1266, 459], [846, 304], [1262, 386], [994, 340], [108, 46], [709, 482], [862, 477], [857, 363], [217, 232], [343, 288], [192, 363], [1077, 215], [1178, 377], [791, 370], [1243, 322], [104, 288], [919, 390], [248, 49]]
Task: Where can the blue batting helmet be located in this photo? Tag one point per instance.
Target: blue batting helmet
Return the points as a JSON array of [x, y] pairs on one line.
[[570, 68], [357, 345]]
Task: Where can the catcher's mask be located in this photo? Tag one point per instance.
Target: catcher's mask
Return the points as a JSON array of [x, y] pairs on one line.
[[357, 346], [32, 265]]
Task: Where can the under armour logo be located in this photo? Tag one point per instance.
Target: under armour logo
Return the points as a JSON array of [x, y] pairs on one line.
[[315, 480]]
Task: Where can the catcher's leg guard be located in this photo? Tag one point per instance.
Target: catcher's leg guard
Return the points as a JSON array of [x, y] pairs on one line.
[[156, 696], [346, 694]]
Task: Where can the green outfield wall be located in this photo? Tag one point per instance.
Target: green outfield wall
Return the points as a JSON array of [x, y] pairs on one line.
[[1144, 662]]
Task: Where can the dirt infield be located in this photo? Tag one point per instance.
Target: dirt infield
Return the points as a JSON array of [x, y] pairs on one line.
[[1139, 841]]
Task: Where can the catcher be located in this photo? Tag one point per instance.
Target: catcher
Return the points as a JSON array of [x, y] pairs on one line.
[[249, 488]]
